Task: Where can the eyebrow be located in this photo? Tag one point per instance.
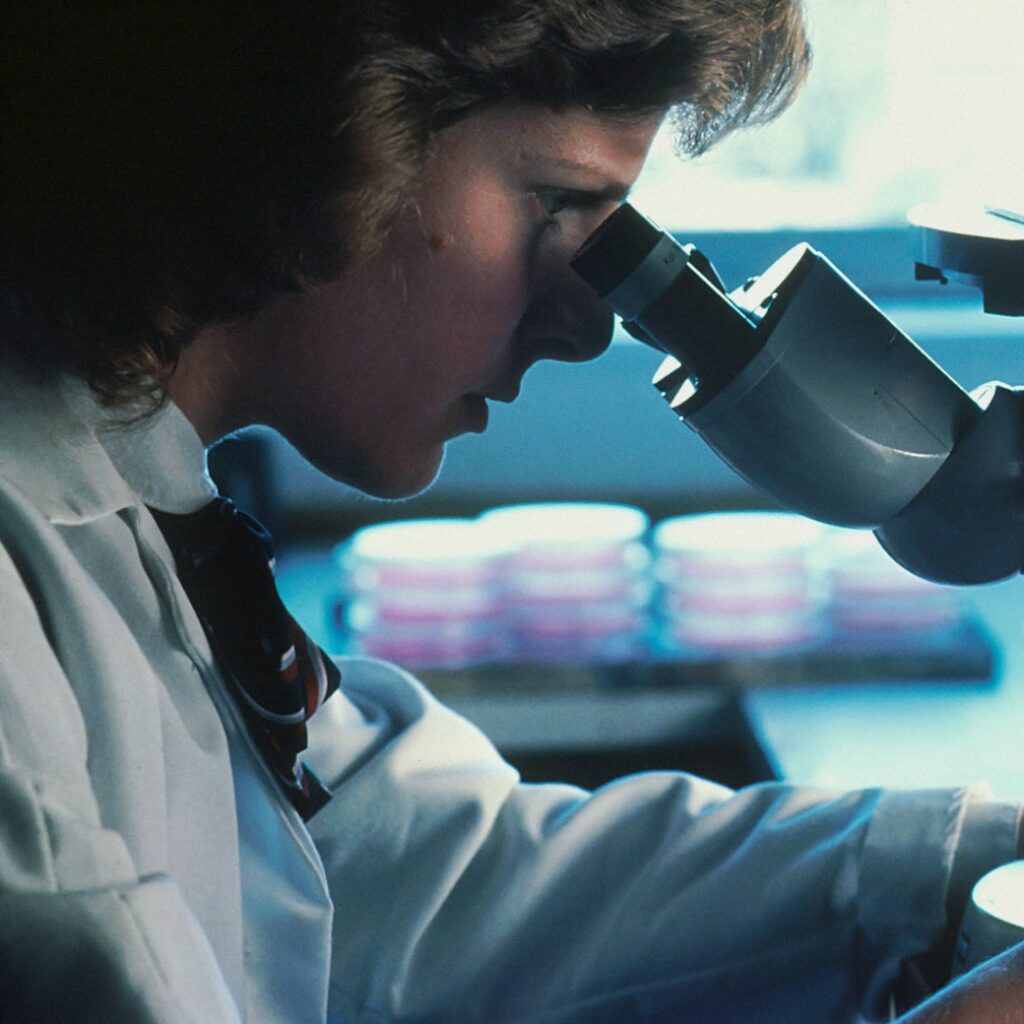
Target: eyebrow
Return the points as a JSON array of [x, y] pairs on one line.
[[614, 189]]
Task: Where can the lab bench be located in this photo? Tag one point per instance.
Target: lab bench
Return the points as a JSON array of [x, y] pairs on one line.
[[556, 722], [916, 733]]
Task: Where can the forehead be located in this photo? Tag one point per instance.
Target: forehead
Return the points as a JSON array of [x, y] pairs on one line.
[[528, 138]]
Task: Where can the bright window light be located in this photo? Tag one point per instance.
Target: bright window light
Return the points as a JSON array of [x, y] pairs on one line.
[[907, 101]]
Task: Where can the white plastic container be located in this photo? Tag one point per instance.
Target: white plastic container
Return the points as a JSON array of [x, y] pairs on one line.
[[576, 585], [739, 582], [870, 593], [425, 592]]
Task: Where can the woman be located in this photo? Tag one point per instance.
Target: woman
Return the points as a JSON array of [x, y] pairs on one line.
[[352, 222]]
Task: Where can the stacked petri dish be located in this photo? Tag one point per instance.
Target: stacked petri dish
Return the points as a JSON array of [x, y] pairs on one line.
[[424, 593], [739, 583], [576, 586], [873, 595]]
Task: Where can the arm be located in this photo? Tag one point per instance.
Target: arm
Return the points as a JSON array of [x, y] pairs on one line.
[[463, 895]]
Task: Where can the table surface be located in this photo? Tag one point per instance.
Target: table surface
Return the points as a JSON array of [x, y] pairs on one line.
[[909, 734], [877, 732]]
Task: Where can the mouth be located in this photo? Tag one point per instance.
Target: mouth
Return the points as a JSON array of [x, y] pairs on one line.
[[505, 393], [475, 403], [475, 413]]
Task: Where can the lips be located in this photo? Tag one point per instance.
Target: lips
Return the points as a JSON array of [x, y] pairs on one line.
[[503, 394], [474, 413], [505, 390], [475, 404]]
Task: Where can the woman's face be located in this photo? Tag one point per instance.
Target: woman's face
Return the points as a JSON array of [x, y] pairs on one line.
[[370, 375]]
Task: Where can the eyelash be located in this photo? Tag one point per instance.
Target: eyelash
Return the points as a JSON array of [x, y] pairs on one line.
[[555, 201]]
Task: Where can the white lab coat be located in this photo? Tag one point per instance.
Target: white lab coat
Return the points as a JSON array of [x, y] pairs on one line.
[[151, 871]]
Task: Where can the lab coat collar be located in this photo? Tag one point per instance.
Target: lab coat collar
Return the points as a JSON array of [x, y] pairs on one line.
[[77, 461]]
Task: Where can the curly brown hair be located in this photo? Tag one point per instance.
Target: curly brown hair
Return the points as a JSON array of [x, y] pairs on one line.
[[167, 166]]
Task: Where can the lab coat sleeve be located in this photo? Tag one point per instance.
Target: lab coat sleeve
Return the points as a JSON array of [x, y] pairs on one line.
[[82, 937], [464, 895]]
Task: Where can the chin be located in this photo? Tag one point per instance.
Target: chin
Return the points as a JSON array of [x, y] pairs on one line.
[[395, 490], [387, 476]]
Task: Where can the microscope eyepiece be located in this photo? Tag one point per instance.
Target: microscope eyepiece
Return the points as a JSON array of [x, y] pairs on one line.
[[670, 297], [616, 248]]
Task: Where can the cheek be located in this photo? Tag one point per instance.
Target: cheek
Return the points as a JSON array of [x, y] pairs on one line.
[[474, 293], [481, 246]]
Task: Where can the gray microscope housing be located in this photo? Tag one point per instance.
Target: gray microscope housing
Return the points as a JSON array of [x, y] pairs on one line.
[[802, 385]]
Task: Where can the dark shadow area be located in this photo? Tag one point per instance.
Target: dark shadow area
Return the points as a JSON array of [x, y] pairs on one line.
[[736, 761]]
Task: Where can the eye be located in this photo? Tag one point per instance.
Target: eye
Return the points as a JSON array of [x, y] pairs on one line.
[[553, 201], [570, 214]]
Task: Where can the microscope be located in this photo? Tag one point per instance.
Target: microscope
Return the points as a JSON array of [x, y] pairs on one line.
[[806, 389], [802, 385]]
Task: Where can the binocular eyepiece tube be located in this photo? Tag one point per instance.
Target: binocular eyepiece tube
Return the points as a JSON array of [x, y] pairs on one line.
[[802, 385]]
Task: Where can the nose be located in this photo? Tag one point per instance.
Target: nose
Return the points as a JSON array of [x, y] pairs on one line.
[[566, 320]]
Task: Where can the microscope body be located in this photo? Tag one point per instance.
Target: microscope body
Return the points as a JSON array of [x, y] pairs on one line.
[[802, 385]]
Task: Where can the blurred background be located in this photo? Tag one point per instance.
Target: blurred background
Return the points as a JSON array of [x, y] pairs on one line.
[[908, 101]]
